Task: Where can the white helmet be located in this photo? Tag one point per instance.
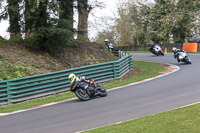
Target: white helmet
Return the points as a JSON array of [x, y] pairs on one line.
[[174, 49], [106, 40]]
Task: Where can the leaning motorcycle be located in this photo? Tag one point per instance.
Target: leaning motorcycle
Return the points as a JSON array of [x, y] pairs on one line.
[[157, 50], [183, 57], [80, 90]]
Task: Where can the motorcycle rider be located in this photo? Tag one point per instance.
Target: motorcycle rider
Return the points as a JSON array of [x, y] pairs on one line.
[[176, 53], [108, 44], [73, 80], [151, 46]]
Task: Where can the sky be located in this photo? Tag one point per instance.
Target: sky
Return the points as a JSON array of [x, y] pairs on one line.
[[102, 18]]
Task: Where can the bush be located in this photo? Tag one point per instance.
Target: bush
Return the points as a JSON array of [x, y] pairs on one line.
[[52, 39]]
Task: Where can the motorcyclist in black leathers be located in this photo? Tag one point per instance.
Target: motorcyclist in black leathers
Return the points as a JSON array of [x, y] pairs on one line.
[[151, 46], [73, 79]]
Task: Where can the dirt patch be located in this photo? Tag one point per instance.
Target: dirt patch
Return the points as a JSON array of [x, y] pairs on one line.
[[86, 54], [40, 62]]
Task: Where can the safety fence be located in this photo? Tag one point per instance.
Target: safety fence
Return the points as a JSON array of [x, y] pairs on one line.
[[21, 89], [119, 53]]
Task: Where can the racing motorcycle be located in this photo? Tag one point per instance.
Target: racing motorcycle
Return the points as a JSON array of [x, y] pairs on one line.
[[156, 49], [81, 91], [110, 46], [183, 57]]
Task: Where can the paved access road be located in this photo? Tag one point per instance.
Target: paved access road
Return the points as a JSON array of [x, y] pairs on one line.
[[178, 89]]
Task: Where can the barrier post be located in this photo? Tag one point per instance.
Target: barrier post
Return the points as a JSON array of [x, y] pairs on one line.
[[8, 93]]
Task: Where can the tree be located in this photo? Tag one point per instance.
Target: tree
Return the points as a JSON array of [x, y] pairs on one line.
[[161, 22], [49, 34], [83, 12], [11, 12], [66, 10], [30, 17], [41, 14], [14, 19], [131, 24]]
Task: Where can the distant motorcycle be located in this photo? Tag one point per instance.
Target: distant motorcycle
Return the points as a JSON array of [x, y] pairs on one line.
[[110, 46], [183, 57], [79, 88], [156, 49]]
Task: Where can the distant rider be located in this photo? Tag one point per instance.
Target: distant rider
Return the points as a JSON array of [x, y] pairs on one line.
[[106, 42], [176, 53], [151, 46], [109, 44]]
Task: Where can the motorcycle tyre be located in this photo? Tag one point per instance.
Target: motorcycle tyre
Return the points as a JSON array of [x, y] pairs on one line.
[[162, 53], [186, 60], [102, 91], [79, 95]]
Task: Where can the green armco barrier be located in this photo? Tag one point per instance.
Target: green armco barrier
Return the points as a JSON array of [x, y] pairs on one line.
[[21, 89]]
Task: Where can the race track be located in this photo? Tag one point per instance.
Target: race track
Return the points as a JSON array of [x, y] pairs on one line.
[[172, 91]]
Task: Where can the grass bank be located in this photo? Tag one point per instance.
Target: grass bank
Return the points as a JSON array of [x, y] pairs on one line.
[[144, 70], [182, 120]]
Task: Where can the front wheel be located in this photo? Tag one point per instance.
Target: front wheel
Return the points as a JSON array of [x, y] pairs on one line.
[[187, 60], [162, 53], [102, 91], [82, 94]]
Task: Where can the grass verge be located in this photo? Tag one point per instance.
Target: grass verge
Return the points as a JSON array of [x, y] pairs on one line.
[[138, 52], [145, 70], [182, 120]]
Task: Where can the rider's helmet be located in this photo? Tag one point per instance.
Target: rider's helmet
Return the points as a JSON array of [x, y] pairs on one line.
[[150, 44], [106, 40], [174, 49], [72, 77]]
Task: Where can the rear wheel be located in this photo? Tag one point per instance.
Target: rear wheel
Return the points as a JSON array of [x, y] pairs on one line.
[[82, 94]]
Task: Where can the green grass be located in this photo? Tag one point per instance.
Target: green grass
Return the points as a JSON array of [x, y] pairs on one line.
[[138, 52], [182, 120], [9, 70], [193, 52], [147, 70]]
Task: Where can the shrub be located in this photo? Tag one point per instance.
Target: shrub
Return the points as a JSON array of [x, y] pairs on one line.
[[52, 39]]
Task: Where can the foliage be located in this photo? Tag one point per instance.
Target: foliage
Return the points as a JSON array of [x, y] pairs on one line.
[[8, 70], [52, 39], [14, 19], [164, 21], [41, 23]]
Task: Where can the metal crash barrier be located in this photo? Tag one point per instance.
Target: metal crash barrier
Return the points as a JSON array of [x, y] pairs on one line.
[[21, 89]]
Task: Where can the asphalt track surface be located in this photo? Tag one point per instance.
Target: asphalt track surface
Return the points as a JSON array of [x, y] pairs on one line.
[[172, 91]]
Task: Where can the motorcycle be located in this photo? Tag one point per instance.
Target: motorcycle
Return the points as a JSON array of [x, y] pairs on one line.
[[156, 50], [80, 90], [183, 57], [110, 46]]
